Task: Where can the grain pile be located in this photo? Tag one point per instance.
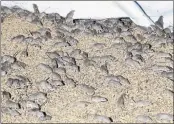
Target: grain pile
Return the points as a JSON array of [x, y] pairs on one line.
[[64, 70]]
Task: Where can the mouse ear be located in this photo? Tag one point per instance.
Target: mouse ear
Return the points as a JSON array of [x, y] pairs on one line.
[[69, 16], [160, 22], [36, 10]]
